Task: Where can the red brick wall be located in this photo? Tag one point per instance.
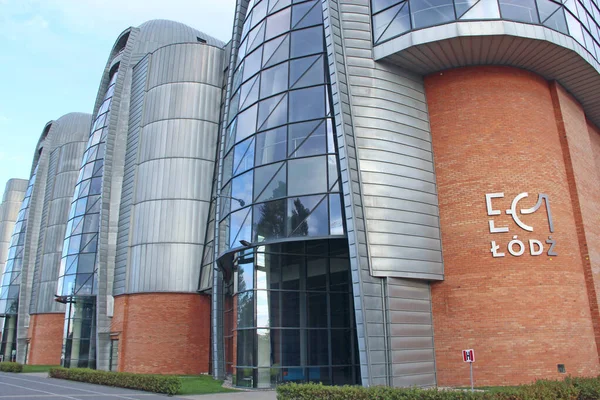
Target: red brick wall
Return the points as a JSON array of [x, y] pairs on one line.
[[494, 130], [163, 333], [583, 181], [46, 334]]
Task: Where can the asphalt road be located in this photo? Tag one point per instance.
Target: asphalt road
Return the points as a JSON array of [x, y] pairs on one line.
[[36, 387]]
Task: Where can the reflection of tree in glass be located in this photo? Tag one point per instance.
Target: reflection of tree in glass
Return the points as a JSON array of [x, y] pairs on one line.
[[245, 310], [272, 215], [299, 215]]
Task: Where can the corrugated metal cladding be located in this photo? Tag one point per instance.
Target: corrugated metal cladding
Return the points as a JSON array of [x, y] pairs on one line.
[[174, 168], [9, 209], [390, 197], [138, 91], [67, 138], [410, 328]]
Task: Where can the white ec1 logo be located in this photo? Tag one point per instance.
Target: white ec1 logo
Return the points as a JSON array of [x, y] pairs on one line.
[[516, 247]]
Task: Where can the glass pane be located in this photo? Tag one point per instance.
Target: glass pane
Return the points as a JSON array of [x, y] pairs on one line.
[[241, 227], [243, 156], [307, 71], [336, 223], [249, 92], [270, 146], [278, 23], [558, 22], [290, 309], [341, 345], [307, 104], [276, 51], [276, 188], [307, 41], [318, 347], [272, 112], [292, 270], [269, 220], [461, 6], [316, 274], [241, 189], [378, 5], [246, 272], [274, 80], [246, 123], [307, 139], [316, 224], [252, 63], [245, 349], [262, 309], [307, 14], [245, 310], [431, 12], [290, 353], [317, 310], [340, 310], [519, 10], [256, 37], [307, 176]]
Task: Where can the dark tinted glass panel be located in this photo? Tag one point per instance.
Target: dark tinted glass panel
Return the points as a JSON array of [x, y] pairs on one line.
[[316, 273], [317, 310], [290, 307], [245, 273], [290, 349], [341, 346], [318, 347], [340, 310]]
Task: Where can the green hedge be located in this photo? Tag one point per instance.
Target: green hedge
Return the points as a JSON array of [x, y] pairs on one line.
[[151, 383], [569, 389], [11, 367]]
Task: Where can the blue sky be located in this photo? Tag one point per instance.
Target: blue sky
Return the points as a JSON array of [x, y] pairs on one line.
[[52, 53]]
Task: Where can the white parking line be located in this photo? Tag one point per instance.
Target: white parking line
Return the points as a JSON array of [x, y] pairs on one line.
[[73, 388], [42, 391]]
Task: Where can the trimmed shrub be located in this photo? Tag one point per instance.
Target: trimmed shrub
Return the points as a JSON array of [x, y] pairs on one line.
[[11, 367], [569, 389], [166, 384]]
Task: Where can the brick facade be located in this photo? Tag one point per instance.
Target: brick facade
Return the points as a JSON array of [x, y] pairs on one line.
[[46, 335], [494, 129], [162, 333]]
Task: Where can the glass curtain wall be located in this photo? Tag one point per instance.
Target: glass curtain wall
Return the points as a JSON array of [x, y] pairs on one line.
[[577, 18], [11, 278], [77, 282], [280, 170], [293, 314]]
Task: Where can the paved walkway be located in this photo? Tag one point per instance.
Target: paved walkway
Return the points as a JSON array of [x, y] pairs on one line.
[[37, 386]]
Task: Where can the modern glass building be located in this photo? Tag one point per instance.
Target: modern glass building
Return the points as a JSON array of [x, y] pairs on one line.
[[348, 192]]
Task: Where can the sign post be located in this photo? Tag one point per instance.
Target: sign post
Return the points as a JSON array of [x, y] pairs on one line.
[[469, 356]]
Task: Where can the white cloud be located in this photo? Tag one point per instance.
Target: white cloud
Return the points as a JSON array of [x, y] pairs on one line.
[[37, 22]]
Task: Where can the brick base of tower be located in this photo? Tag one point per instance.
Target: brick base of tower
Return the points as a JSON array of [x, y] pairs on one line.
[[162, 333], [46, 335], [507, 130]]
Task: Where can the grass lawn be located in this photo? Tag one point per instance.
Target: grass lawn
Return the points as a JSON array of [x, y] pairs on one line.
[[37, 368], [201, 384]]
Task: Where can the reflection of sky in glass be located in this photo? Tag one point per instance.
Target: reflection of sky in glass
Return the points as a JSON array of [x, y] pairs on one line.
[[262, 308]]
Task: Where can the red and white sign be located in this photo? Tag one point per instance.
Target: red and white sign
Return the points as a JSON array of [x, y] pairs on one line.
[[469, 355]]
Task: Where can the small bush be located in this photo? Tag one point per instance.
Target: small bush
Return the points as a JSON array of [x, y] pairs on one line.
[[151, 383], [569, 389], [11, 367]]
